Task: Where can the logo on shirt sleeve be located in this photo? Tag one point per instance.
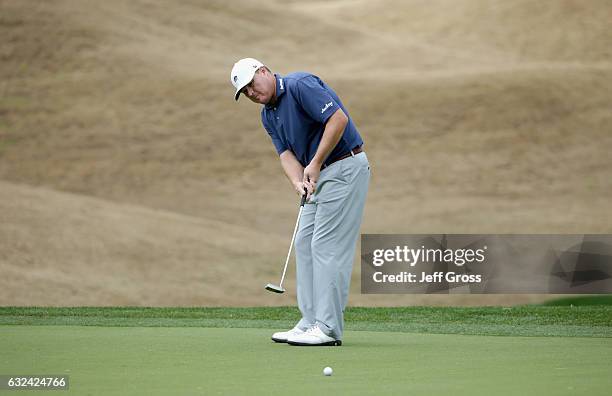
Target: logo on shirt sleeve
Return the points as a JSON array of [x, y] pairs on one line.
[[327, 106]]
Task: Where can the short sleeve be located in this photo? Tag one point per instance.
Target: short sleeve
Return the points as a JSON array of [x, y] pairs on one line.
[[315, 99], [276, 140]]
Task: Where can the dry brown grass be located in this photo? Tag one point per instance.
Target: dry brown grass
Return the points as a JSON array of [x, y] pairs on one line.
[[129, 176]]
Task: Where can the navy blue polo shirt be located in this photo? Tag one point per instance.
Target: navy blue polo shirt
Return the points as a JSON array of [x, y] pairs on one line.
[[297, 120]]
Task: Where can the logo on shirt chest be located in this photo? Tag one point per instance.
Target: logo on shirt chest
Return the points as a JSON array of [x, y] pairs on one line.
[[327, 106]]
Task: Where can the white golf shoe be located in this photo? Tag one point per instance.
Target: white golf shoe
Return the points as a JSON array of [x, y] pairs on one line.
[[313, 337], [283, 336]]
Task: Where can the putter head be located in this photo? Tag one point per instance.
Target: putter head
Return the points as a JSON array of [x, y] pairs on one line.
[[274, 288]]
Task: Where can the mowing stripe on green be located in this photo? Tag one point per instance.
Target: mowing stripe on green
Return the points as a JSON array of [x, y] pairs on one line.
[[531, 320], [581, 300]]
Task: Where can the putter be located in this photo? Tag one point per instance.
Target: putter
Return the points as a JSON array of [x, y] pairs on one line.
[[279, 288]]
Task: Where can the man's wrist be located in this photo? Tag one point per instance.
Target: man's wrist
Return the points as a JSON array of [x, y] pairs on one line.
[[316, 162]]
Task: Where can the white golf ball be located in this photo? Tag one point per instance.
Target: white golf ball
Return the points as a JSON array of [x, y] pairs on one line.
[[327, 371]]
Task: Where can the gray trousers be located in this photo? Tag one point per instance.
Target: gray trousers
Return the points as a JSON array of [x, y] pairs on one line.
[[325, 243]]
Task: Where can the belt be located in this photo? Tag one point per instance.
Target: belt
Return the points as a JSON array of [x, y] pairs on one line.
[[355, 150]]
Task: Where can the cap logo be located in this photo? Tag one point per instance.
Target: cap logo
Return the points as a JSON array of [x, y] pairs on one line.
[[235, 78]]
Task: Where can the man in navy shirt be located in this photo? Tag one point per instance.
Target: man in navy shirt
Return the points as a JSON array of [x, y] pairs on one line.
[[321, 153]]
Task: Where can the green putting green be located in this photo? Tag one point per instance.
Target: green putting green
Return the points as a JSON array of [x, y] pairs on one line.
[[195, 360]]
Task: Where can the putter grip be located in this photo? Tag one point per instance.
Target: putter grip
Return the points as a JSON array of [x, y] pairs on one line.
[[304, 198]]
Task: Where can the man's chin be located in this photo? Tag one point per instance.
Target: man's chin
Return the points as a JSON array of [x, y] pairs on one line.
[[259, 100]]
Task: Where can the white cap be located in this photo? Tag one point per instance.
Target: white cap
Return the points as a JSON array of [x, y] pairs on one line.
[[243, 72]]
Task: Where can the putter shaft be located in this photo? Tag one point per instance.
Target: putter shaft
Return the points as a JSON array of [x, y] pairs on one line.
[[271, 287]]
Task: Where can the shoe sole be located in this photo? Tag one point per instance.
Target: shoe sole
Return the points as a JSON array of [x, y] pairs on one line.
[[330, 343], [280, 341]]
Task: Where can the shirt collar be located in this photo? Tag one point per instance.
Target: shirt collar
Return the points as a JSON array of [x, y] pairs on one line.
[[280, 89]]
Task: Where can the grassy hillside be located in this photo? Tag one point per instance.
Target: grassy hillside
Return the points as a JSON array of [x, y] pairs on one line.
[[488, 116], [491, 31]]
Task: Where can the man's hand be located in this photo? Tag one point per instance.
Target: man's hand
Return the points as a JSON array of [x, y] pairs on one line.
[[299, 188], [311, 177]]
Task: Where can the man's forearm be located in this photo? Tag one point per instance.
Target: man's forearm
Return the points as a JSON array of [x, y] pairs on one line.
[[334, 128], [292, 167]]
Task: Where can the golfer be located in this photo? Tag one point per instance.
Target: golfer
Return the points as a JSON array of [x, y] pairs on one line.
[[321, 153]]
